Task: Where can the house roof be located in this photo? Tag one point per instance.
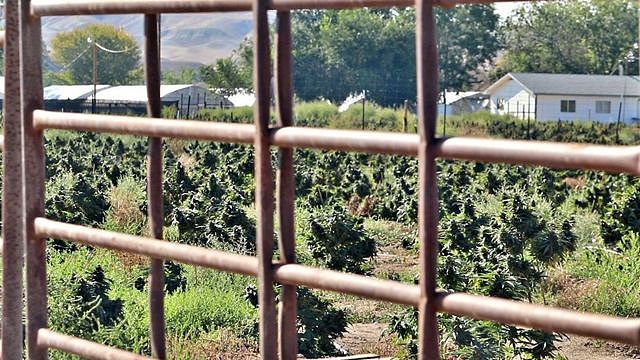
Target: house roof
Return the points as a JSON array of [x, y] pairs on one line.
[[70, 92], [572, 84], [139, 92]]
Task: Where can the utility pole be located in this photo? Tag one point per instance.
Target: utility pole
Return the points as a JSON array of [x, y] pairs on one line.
[[95, 74], [364, 100]]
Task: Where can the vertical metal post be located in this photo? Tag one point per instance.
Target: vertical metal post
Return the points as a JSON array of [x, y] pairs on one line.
[[427, 77], [405, 125], [364, 101], [154, 184], [188, 107], [264, 181], [12, 201], [33, 177], [286, 190], [95, 76]]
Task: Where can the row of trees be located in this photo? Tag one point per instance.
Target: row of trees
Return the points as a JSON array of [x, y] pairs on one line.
[[339, 52]]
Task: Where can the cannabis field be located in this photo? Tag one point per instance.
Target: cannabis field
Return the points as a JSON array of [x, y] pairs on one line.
[[559, 237]]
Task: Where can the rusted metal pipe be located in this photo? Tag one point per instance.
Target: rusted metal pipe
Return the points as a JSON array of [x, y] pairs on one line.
[[12, 196], [286, 189], [540, 317], [154, 185], [131, 125], [427, 94], [615, 159], [81, 7], [30, 40], [146, 246], [368, 287], [264, 182], [48, 339]]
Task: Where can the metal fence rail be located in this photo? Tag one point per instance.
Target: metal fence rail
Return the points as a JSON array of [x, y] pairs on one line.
[[25, 228]]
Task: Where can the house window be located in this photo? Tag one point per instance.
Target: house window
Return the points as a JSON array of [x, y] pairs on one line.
[[603, 107], [568, 106]]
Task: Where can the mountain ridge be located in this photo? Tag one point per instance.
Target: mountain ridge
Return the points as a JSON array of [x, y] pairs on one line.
[[188, 40]]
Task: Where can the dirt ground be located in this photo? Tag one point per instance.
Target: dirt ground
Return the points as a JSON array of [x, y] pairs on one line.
[[370, 339], [579, 348]]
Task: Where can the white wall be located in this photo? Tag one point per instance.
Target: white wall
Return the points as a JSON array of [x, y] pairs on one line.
[[549, 108], [514, 98]]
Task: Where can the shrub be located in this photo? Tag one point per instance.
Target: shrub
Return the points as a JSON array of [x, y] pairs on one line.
[[315, 113], [126, 201], [337, 240]]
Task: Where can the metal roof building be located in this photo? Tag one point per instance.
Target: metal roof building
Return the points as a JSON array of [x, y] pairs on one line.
[[70, 92]]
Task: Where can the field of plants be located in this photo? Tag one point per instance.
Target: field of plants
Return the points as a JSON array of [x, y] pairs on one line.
[[560, 237]]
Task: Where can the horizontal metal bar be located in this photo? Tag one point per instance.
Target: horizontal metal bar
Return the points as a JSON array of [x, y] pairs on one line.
[[151, 247], [372, 288], [477, 307], [540, 317], [81, 7], [152, 127], [346, 140], [625, 159], [615, 159], [84, 348]]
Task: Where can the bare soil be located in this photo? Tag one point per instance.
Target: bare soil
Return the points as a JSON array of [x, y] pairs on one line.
[[579, 348]]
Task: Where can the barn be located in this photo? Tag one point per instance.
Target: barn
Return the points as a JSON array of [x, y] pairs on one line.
[[187, 98], [567, 97]]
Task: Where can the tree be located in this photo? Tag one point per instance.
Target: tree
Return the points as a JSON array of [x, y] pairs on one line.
[[233, 72], [72, 51], [580, 37], [341, 52], [180, 76]]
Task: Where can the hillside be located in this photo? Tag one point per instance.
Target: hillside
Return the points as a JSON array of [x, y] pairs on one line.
[[187, 39]]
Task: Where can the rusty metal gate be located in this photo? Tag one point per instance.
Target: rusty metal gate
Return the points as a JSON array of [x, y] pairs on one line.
[[25, 229]]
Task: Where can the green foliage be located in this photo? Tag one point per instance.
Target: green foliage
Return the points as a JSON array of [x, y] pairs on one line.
[[621, 215], [611, 276], [126, 202], [320, 324], [71, 49], [235, 115], [337, 53], [315, 113], [336, 239], [180, 76], [80, 303], [230, 74], [575, 37]]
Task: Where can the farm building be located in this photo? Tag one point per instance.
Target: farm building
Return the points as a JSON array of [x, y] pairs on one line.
[[461, 102], [187, 98], [70, 92], [601, 98]]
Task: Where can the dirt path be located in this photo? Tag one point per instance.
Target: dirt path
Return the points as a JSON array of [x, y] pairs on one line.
[[580, 348], [370, 339]]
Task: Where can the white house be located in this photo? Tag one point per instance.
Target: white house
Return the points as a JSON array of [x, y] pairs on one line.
[[601, 98]]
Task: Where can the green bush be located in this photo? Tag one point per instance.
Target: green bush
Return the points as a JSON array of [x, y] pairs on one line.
[[234, 115], [315, 113], [335, 239], [608, 277]]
